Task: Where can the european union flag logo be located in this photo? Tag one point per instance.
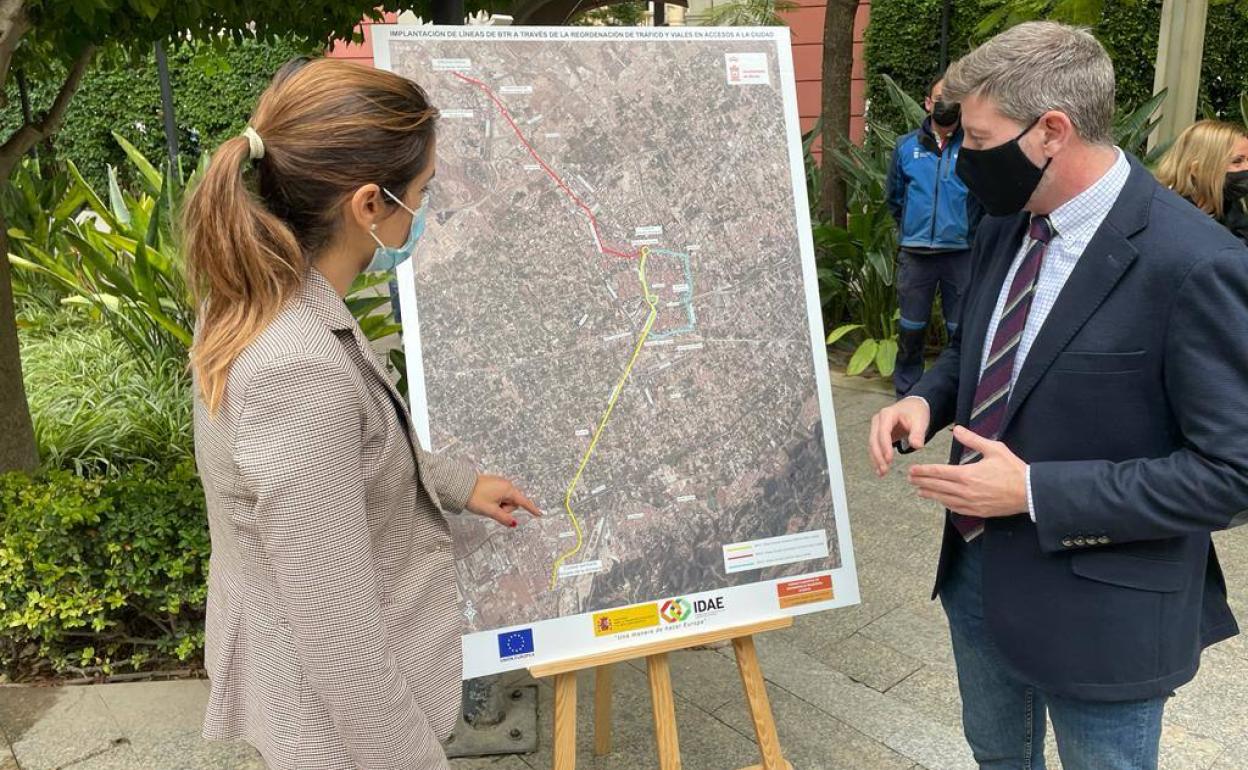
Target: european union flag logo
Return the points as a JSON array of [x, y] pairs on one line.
[[514, 644]]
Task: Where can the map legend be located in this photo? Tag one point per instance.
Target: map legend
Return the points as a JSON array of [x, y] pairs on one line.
[[774, 551]]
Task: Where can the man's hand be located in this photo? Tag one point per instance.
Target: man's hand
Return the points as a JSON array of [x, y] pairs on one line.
[[497, 498], [994, 486], [908, 419]]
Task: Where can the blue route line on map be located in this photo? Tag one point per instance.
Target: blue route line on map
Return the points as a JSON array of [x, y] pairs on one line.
[[686, 296]]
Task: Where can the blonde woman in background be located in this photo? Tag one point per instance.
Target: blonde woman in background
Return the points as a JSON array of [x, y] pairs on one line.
[[333, 626], [1208, 165]]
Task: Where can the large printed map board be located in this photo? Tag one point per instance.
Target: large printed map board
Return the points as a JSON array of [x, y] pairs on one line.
[[616, 305]]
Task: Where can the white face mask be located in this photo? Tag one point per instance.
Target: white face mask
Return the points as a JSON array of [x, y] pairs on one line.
[[387, 258]]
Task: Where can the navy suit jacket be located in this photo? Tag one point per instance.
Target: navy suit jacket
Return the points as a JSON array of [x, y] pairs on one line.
[[1132, 410]]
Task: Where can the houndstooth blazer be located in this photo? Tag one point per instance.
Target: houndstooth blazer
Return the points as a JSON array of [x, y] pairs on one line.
[[332, 631]]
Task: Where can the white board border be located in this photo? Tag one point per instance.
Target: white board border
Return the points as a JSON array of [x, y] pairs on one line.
[[572, 635]]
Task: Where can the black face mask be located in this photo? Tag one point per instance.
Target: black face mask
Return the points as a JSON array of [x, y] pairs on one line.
[[1002, 177], [1236, 187], [946, 114]]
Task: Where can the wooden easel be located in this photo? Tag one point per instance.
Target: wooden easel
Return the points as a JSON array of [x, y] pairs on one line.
[[661, 696]]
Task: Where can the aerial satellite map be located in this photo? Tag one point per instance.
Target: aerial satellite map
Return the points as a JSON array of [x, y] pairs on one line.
[[612, 309]]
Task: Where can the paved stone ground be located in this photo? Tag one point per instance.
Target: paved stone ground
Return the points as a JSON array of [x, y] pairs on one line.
[[865, 688]]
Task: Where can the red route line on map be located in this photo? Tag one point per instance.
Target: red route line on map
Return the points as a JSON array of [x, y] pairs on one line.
[[593, 221]]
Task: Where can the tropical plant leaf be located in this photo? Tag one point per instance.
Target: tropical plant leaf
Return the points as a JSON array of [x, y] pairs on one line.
[[100, 260], [71, 202], [1085, 13], [886, 357], [882, 264], [992, 20], [911, 110], [813, 135], [26, 264], [93, 201], [116, 200], [1153, 157], [63, 273], [398, 362], [1132, 130], [147, 172], [828, 234], [841, 331], [863, 357], [177, 330], [143, 281], [362, 306], [376, 327], [365, 281], [749, 13]]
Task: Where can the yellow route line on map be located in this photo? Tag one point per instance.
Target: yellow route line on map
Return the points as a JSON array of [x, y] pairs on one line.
[[651, 300]]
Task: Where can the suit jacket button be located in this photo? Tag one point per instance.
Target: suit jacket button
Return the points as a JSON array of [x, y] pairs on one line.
[[1067, 542], [1102, 540], [1080, 541]]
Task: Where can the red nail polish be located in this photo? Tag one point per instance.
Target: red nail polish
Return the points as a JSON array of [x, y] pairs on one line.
[[513, 525]]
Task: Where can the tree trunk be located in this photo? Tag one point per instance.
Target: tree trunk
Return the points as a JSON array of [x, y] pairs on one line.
[[17, 434], [14, 24], [18, 451], [838, 66]]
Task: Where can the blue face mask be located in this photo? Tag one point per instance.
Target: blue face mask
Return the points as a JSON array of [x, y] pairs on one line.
[[387, 258]]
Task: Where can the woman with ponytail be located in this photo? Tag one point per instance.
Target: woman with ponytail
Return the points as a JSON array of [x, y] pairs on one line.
[[332, 631]]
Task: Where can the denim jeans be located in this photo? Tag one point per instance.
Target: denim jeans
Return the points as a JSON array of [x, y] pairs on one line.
[[1003, 715], [918, 278]]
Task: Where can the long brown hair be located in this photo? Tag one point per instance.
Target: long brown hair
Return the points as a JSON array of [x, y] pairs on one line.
[[1195, 166], [253, 225]]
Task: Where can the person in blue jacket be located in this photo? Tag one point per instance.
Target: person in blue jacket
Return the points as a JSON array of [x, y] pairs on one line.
[[937, 219]]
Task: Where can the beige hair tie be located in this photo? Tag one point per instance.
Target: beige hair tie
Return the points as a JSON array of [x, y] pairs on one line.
[[254, 143]]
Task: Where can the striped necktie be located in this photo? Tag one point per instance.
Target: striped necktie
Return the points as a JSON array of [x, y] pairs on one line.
[[992, 395]]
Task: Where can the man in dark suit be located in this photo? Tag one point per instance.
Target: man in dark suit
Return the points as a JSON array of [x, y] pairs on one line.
[[1098, 383]]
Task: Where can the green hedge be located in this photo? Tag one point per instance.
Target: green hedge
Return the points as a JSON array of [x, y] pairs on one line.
[[102, 575], [213, 92], [903, 37], [903, 42]]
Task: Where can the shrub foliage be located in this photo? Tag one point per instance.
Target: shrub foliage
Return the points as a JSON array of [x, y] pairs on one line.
[[102, 575]]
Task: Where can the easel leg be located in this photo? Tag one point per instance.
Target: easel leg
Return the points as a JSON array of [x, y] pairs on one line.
[[602, 710], [760, 705], [565, 721], [664, 712]]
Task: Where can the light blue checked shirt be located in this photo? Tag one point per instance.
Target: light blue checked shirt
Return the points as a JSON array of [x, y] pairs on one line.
[[1074, 224]]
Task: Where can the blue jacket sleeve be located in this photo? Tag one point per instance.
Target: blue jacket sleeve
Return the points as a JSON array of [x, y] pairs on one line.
[[1204, 485], [895, 184]]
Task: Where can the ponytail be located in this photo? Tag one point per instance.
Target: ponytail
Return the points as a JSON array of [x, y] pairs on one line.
[[271, 199], [243, 264]]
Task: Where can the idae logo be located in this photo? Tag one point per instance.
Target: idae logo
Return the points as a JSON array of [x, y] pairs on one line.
[[711, 605], [681, 609], [676, 611]]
